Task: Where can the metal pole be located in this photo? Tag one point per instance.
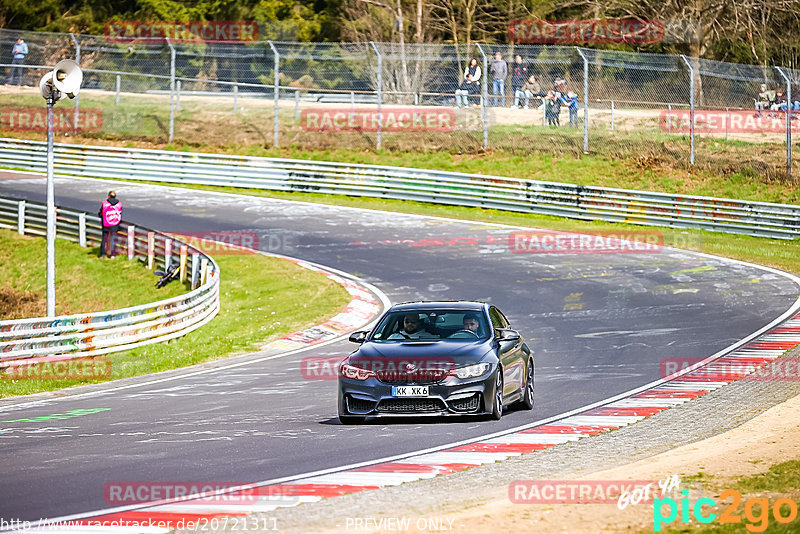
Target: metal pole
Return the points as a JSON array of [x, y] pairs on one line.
[[484, 98], [51, 213], [275, 92], [585, 101], [235, 97], [379, 137], [669, 122], [77, 97], [178, 95], [788, 122], [297, 105], [691, 108], [171, 90], [727, 119], [116, 102], [612, 115]]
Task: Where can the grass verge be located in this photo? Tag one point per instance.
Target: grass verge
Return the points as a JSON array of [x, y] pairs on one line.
[[262, 298]]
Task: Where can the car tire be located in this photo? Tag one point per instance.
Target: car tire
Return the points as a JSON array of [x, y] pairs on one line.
[[526, 403], [351, 419], [497, 404]]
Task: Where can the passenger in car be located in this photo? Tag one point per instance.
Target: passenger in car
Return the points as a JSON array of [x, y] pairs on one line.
[[412, 329]]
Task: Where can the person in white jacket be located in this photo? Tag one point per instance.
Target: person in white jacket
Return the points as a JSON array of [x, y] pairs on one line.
[[470, 85]]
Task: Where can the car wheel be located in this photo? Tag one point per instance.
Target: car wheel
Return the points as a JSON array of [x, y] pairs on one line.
[[351, 419], [527, 394], [497, 406]]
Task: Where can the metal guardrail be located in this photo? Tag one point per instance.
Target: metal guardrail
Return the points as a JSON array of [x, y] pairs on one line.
[[512, 194], [26, 341]]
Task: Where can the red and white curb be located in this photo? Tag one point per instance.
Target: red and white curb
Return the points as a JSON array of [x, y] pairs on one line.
[[161, 517]]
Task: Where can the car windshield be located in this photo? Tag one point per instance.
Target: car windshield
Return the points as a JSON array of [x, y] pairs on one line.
[[450, 325]]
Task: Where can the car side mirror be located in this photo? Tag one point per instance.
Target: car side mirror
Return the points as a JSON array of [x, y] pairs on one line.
[[358, 337], [507, 334]]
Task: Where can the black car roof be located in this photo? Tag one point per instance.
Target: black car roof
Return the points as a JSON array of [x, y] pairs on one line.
[[446, 304]]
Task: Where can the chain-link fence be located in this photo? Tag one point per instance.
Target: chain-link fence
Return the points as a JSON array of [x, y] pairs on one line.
[[653, 108]]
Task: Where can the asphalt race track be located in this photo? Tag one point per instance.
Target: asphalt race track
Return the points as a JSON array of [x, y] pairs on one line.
[[599, 324]]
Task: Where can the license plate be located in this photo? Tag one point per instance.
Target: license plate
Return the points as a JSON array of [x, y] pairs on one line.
[[409, 391]]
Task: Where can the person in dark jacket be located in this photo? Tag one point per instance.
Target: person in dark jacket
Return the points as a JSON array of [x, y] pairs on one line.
[[110, 214], [519, 74]]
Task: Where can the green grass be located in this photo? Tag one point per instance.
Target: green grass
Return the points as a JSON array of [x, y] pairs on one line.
[[262, 298]]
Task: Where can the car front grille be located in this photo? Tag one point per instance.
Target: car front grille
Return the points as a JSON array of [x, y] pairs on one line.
[[410, 405], [356, 405], [417, 377], [467, 404]]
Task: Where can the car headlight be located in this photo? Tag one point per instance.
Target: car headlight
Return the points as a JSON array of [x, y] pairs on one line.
[[355, 373], [472, 371]]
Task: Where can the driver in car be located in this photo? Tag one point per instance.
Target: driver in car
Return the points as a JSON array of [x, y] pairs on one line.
[[471, 323], [412, 329]]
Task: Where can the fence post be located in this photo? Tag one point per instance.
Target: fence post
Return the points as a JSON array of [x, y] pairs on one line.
[[178, 95], [612, 115], [585, 101], [184, 251], [691, 108], [77, 97], [116, 102], [171, 90], [151, 249], [275, 92], [235, 97], [21, 217], [131, 241], [727, 120], [379, 137], [167, 253], [203, 270], [82, 229], [297, 105], [788, 122], [484, 97], [669, 122], [195, 268]]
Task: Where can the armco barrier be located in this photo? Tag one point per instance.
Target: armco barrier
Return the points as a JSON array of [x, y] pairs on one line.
[[26, 341], [459, 189]]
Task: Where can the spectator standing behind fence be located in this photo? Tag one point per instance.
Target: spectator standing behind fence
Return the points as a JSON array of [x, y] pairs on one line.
[[519, 74], [499, 74], [571, 100], [560, 86], [470, 85], [552, 108], [19, 51], [529, 90], [110, 213]]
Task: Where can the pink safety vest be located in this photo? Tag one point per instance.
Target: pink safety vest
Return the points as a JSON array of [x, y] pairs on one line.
[[112, 213]]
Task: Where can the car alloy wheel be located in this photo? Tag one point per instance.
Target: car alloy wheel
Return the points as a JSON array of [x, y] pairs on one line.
[[497, 407]]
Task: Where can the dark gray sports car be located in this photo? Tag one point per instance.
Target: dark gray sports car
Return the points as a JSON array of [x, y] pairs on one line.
[[436, 358]]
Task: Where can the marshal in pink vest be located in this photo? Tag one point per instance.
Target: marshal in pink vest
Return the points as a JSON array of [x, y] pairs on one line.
[[112, 213]]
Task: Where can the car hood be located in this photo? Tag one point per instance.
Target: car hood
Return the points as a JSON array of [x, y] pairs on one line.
[[457, 353]]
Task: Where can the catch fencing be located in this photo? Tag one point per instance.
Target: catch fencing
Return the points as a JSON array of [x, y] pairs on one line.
[[458, 189], [26, 341], [654, 108]]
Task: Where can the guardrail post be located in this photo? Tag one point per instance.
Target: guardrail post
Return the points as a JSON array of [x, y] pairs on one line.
[[484, 97], [131, 241], [21, 217], [184, 252], [585, 101], [379, 93], [276, 93], [203, 271], [151, 249], [178, 95], [167, 253], [77, 97], [195, 268], [788, 123], [297, 105], [171, 89], [235, 97], [691, 108], [82, 229], [116, 100]]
